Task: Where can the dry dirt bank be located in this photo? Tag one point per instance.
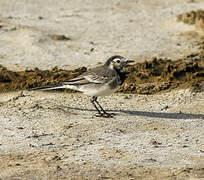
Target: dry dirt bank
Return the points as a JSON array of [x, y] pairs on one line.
[[149, 77]]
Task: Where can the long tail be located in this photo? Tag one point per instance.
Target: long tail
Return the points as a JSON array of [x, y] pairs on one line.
[[70, 84], [53, 87]]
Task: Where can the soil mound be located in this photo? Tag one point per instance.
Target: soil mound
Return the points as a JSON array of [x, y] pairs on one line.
[[152, 76], [10, 81], [193, 17], [160, 75]]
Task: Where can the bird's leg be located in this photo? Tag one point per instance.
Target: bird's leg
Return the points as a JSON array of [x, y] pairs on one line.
[[104, 114], [100, 106], [93, 100]]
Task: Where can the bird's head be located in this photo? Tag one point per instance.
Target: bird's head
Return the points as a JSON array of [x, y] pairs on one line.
[[118, 63]]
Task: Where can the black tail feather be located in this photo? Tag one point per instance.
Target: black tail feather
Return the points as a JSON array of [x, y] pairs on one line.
[[49, 87]]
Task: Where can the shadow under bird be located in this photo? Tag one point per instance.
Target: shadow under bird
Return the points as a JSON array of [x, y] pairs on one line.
[[100, 81]]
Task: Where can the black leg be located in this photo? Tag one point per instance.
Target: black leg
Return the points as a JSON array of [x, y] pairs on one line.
[[93, 100], [100, 106], [103, 113]]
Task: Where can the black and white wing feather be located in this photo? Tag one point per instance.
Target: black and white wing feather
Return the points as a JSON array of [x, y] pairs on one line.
[[98, 75]]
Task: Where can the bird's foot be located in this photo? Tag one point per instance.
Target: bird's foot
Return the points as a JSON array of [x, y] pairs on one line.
[[105, 115]]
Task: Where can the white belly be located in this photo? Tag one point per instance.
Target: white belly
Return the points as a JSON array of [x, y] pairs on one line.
[[101, 91]]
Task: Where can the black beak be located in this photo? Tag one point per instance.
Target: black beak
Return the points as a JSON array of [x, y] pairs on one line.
[[129, 61]]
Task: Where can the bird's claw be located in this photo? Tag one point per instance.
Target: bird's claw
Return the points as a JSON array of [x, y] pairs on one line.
[[105, 115]]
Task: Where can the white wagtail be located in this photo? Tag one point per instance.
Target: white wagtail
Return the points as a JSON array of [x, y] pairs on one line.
[[99, 81]]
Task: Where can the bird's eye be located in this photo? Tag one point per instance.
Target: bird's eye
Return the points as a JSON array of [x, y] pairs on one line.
[[118, 61]]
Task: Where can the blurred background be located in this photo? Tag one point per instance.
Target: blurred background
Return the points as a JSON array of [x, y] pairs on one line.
[[73, 33]]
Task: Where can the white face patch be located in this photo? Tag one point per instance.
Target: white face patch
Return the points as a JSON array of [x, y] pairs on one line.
[[117, 60], [111, 66], [117, 63]]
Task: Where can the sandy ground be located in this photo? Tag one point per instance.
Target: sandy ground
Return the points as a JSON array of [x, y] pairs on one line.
[[136, 29], [53, 135]]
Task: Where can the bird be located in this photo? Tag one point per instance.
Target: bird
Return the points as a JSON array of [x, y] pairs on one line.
[[99, 81]]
